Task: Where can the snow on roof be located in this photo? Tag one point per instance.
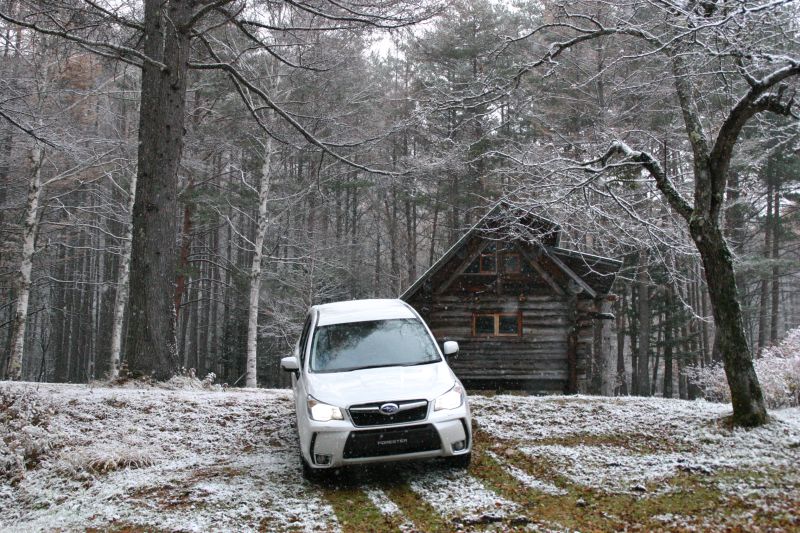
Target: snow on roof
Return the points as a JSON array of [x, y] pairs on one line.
[[361, 311]]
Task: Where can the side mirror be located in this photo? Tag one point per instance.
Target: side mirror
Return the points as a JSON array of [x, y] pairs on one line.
[[290, 364], [450, 347]]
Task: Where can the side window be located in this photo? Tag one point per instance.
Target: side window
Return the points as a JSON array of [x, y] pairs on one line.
[[303, 338]]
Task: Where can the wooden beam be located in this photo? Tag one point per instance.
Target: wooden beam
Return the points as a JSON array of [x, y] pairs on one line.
[[571, 273], [460, 270], [542, 272]]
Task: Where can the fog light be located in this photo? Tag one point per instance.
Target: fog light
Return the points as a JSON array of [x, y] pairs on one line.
[[322, 459], [460, 445]]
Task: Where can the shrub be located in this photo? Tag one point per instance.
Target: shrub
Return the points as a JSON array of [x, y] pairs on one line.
[[188, 379], [24, 439], [778, 370], [104, 459]]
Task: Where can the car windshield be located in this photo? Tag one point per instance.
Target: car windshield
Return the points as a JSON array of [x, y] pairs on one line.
[[371, 344]]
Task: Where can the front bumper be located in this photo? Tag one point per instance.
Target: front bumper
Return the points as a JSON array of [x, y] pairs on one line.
[[339, 443]]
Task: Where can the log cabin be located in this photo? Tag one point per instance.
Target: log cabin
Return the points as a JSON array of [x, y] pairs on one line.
[[527, 313]]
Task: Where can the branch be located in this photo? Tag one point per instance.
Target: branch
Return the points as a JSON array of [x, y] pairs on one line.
[[757, 100], [351, 16], [649, 163], [122, 51], [241, 25], [202, 12], [26, 129], [121, 20], [234, 74], [691, 118]]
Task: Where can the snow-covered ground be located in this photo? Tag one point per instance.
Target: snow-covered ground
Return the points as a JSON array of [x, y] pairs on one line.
[[76, 457]]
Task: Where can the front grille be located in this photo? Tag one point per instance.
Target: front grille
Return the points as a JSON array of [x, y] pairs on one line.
[[369, 414], [381, 442]]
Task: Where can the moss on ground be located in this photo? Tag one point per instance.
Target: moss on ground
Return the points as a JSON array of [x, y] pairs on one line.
[[685, 501], [417, 510], [355, 511]]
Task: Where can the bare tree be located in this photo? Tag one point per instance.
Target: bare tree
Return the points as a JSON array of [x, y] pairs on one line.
[[121, 299], [255, 268], [23, 283], [696, 34]]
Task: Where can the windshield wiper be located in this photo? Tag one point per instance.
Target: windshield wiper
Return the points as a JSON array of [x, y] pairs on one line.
[[354, 368], [419, 363], [351, 369]]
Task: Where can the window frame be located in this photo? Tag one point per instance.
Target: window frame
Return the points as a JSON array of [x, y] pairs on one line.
[[496, 319], [493, 256]]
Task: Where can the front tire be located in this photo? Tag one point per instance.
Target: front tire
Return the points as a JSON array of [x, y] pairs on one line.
[[459, 461], [314, 475]]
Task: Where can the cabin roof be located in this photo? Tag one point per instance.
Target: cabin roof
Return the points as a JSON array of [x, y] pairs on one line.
[[596, 271]]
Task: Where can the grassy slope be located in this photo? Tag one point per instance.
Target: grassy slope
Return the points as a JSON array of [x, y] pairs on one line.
[[130, 459]]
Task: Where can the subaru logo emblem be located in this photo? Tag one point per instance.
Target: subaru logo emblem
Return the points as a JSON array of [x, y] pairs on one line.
[[389, 408]]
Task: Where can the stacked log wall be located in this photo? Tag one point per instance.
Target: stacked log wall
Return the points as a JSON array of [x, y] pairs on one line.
[[536, 360]]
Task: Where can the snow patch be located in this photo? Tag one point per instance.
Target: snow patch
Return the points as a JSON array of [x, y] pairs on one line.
[[455, 494], [388, 508], [527, 479]]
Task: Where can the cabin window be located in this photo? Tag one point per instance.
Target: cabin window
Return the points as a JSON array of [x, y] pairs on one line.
[[488, 263], [511, 263], [496, 324], [507, 325], [484, 324]]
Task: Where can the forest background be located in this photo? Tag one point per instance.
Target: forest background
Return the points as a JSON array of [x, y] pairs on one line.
[[333, 151]]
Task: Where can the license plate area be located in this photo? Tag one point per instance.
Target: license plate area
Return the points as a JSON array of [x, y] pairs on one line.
[[391, 441]]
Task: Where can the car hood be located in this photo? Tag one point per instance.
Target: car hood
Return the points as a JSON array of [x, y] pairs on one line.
[[385, 384]]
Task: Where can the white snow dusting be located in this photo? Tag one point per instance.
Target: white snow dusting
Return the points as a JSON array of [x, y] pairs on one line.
[[74, 457], [388, 508], [455, 495], [527, 479], [665, 437], [185, 460]]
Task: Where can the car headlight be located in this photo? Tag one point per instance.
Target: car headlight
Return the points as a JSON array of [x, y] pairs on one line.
[[451, 399], [322, 412]]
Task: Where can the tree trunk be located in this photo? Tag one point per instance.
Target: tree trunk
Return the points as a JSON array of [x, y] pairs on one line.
[[762, 304], [746, 395], [394, 262], [643, 369], [251, 379], [376, 284], [622, 387], [121, 299], [668, 343], [23, 276], [411, 237], [432, 250], [682, 394], [633, 335], [656, 360], [186, 243], [711, 162], [602, 369], [776, 280], [151, 342]]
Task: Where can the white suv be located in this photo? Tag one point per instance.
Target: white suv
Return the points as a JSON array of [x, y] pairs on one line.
[[371, 385]]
